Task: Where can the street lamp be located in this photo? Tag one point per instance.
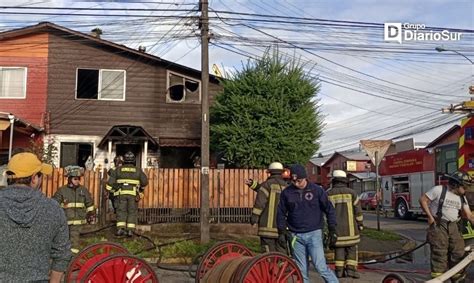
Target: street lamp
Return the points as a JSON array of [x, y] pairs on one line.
[[11, 117], [441, 49]]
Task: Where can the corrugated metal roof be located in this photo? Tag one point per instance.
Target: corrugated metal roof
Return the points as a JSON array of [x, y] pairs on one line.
[[363, 175], [355, 155]]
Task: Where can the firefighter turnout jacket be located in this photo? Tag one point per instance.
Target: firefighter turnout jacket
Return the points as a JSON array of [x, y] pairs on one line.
[[266, 205], [348, 214], [76, 202], [126, 180]]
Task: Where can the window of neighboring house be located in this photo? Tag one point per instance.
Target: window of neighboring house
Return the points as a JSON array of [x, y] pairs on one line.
[[12, 82], [100, 84], [75, 153], [181, 89]]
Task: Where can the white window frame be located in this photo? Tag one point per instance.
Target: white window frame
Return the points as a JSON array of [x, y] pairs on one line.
[[24, 82], [99, 84], [169, 100]]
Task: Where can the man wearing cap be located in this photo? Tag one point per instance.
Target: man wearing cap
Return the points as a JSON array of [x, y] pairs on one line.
[[443, 205], [301, 210], [349, 222], [265, 209], [77, 203], [35, 242]]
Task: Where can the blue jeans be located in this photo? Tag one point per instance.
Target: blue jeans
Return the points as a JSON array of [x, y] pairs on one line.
[[311, 244]]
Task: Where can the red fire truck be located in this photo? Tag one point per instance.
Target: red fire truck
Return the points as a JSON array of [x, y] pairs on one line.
[[405, 176]]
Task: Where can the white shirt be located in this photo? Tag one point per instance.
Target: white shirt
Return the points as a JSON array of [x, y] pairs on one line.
[[451, 206]]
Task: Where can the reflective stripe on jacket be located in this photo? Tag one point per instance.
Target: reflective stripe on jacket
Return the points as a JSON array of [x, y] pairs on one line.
[[126, 180], [76, 202], [266, 205], [348, 214]]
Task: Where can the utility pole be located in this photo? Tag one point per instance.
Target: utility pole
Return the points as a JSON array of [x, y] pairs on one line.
[[204, 216]]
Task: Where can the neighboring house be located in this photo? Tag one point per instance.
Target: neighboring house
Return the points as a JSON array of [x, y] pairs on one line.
[[317, 173], [358, 166], [95, 98], [445, 148]]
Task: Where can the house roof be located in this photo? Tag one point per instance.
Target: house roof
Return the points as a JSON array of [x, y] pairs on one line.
[[349, 155], [444, 135], [128, 133], [98, 42], [19, 123], [319, 161], [363, 175]]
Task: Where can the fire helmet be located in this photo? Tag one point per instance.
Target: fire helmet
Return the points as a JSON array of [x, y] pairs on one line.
[[459, 178], [73, 171], [129, 157], [338, 174]]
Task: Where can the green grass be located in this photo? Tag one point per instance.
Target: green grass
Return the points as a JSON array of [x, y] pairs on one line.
[[178, 249], [381, 235]]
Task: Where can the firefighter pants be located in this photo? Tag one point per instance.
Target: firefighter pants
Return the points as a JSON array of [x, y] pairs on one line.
[[271, 245], [74, 236], [346, 257], [446, 245], [126, 209]]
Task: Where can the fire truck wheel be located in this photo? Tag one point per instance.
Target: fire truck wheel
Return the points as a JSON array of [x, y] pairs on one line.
[[393, 278], [401, 210]]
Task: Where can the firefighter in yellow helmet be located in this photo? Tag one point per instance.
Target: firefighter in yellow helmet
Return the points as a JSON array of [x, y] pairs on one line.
[[77, 203], [265, 208], [127, 183]]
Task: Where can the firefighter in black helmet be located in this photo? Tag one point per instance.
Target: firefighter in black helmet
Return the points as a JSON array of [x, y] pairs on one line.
[[127, 183], [118, 161]]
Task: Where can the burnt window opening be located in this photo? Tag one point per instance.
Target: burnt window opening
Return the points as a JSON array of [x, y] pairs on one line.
[[100, 84], [75, 153], [183, 90]]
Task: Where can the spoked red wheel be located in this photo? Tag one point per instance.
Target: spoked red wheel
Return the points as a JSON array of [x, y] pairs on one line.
[[120, 268], [220, 252], [85, 257], [393, 278], [269, 268]]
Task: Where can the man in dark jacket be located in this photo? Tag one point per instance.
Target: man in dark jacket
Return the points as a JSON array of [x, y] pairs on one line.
[[301, 210], [349, 221], [265, 209], [77, 203], [35, 244], [127, 183]]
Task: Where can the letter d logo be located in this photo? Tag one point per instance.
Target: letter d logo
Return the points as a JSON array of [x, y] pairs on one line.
[[392, 32]]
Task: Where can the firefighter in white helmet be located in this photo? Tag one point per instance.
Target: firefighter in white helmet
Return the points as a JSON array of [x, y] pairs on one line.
[[349, 224], [265, 208]]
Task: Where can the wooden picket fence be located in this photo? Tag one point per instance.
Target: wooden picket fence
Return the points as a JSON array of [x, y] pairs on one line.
[[174, 194]]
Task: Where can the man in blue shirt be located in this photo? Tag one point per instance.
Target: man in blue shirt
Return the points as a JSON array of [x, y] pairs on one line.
[[301, 210]]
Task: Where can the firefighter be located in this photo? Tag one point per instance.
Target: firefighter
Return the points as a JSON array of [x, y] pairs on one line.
[[118, 161], [265, 209], [443, 205], [127, 183], [467, 228], [77, 203], [349, 223], [254, 185]]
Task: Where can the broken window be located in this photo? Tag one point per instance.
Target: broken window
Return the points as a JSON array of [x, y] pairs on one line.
[[100, 84], [183, 89]]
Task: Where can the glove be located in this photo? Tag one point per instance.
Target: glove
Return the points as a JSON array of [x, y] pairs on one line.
[[139, 196], [332, 237], [361, 227], [282, 238], [252, 184], [254, 219], [90, 217]]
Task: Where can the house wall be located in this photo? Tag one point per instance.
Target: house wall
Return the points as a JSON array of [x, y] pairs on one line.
[[145, 99], [30, 52]]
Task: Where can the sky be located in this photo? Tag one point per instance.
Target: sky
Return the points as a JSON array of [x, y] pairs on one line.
[[369, 88]]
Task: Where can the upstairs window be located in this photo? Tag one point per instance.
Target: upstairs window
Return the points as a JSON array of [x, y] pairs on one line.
[[100, 84], [12, 82], [182, 89]]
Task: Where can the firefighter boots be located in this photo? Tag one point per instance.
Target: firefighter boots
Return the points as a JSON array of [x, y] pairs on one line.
[[352, 273], [129, 233], [121, 232], [339, 273]]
